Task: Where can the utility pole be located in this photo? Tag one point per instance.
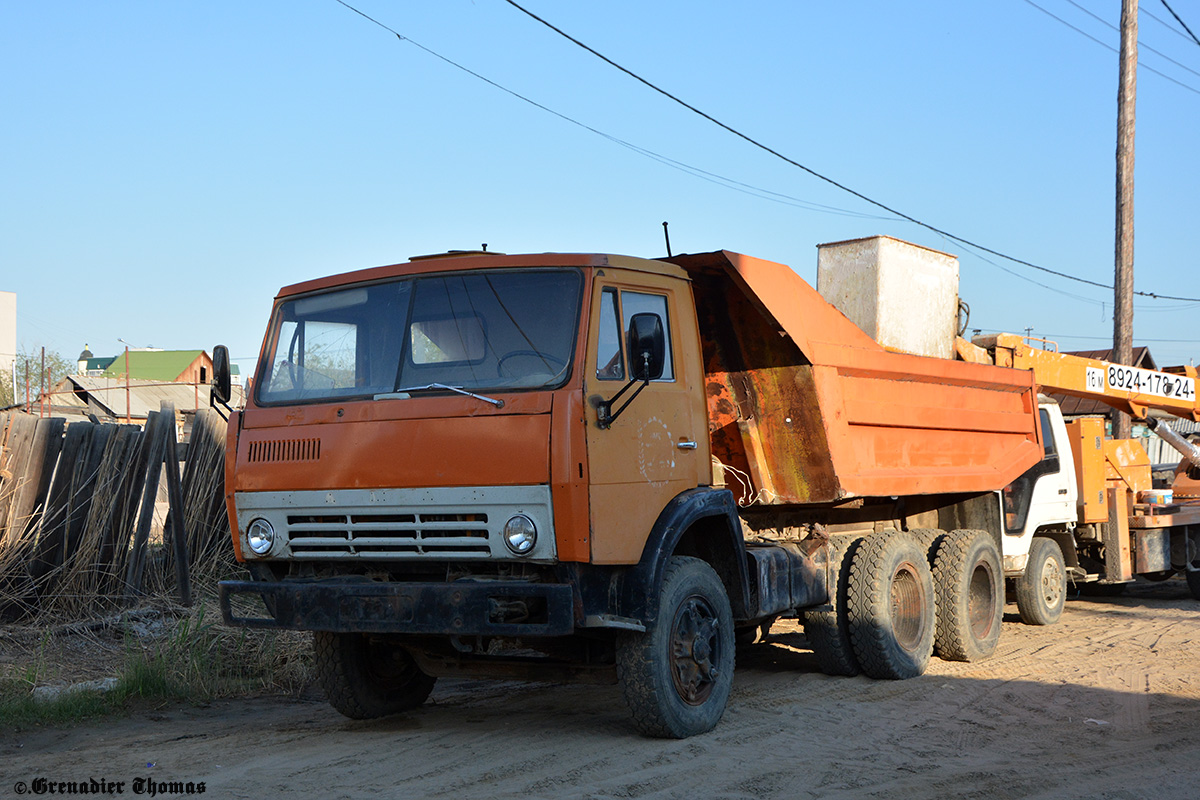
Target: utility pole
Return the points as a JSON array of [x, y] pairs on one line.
[[1123, 277], [127, 385]]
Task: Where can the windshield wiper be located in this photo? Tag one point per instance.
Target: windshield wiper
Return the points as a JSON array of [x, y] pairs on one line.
[[404, 394]]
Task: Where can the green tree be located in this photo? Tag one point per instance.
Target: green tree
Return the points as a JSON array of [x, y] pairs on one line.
[[29, 369]]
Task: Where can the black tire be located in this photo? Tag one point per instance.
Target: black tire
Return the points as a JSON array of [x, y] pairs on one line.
[[676, 677], [929, 539], [1042, 587], [968, 576], [892, 605], [364, 679], [745, 637], [1193, 582], [828, 629]]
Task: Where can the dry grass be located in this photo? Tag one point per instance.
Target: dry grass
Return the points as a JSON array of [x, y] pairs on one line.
[[76, 619], [156, 652]]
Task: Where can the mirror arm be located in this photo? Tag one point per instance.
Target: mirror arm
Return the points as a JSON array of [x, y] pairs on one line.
[[213, 401], [605, 416]]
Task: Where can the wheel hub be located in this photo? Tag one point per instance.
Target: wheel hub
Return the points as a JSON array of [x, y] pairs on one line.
[[981, 602], [695, 650], [908, 600], [1051, 583]]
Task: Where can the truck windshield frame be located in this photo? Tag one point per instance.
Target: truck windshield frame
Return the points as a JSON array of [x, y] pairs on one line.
[[494, 330]]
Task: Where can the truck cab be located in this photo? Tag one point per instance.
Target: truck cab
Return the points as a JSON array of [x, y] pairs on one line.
[[1044, 499]]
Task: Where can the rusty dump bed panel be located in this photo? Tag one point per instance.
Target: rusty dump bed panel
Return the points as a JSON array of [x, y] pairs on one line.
[[816, 411]]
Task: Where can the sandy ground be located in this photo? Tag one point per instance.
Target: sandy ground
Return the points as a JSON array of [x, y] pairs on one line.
[[1106, 704]]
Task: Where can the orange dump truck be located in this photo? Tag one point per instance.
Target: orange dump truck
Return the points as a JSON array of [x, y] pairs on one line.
[[611, 469]]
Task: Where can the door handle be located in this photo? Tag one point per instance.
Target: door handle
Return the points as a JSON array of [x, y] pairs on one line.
[[1062, 491], [686, 445]]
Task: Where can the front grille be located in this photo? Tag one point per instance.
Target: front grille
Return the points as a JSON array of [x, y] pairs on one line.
[[383, 535], [441, 523]]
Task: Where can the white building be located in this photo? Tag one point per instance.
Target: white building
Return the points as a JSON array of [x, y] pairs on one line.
[[8, 332]]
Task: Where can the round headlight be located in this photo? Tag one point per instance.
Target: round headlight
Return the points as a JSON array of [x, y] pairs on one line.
[[520, 534], [260, 536]]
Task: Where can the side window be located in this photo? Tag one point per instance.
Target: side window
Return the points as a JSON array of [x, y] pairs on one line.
[[609, 364], [1047, 433], [639, 303]]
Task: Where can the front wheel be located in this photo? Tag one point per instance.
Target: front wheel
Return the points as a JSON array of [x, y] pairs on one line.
[[676, 676], [366, 678], [1042, 587]]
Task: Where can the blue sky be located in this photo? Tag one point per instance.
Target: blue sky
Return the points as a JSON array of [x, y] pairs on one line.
[[168, 166]]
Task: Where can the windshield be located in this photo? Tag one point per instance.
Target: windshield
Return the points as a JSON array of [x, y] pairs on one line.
[[481, 331]]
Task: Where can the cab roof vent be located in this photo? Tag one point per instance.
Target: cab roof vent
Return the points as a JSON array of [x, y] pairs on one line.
[[457, 254]]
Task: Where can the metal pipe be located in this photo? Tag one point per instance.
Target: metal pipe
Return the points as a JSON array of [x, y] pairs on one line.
[[1168, 435]]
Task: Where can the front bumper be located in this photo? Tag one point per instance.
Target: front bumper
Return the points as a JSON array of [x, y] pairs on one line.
[[463, 608]]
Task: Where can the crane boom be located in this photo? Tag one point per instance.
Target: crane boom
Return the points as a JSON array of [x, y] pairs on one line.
[[1130, 389]]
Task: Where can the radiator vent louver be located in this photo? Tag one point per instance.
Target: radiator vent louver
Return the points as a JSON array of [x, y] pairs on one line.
[[285, 450], [388, 534]]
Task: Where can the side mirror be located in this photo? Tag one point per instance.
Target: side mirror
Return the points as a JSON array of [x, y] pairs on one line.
[[647, 354], [647, 346], [221, 383]]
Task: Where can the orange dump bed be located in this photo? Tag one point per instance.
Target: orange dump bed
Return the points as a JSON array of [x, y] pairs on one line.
[[816, 411]]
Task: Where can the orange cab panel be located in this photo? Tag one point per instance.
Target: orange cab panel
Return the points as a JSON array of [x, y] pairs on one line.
[[497, 450]]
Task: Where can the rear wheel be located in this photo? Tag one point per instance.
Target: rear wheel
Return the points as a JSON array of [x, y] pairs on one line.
[[929, 539], [892, 606], [828, 629], [969, 581], [676, 676], [1042, 588], [366, 678], [1193, 582]]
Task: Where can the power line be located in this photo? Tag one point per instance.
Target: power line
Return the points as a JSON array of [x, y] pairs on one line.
[[1163, 22], [697, 172], [1141, 44], [1108, 46], [1102, 338], [1181, 22], [815, 174]]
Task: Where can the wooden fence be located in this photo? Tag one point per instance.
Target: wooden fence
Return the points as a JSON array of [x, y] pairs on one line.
[[77, 512]]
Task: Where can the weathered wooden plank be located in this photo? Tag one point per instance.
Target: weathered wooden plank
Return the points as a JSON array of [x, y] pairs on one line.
[[51, 539], [36, 472], [32, 484], [156, 435], [204, 483], [176, 527], [83, 486], [122, 465], [4, 415], [21, 430]]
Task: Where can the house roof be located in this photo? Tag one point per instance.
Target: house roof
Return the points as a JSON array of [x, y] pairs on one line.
[[153, 365], [144, 396]]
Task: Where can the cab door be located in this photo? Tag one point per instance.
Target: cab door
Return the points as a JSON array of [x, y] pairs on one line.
[[658, 445]]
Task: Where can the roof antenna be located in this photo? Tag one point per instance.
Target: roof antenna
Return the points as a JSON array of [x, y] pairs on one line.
[[667, 236]]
